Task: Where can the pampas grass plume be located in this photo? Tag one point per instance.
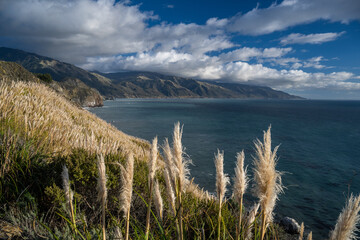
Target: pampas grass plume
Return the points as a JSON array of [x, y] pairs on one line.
[[250, 220], [301, 231], [309, 237], [267, 179], [68, 193], [127, 177], [102, 190], [66, 185], [101, 180], [222, 180], [170, 192], [240, 180], [240, 184], [345, 227], [158, 200], [153, 159], [127, 184]]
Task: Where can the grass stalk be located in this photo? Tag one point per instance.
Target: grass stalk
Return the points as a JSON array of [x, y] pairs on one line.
[[240, 186], [148, 213], [221, 181], [102, 191], [68, 193], [127, 177], [151, 177]]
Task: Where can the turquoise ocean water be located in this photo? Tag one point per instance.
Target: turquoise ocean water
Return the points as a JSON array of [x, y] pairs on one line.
[[319, 152]]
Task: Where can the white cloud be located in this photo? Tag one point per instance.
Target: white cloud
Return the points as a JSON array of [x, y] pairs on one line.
[[291, 13], [74, 30], [318, 38], [219, 67], [245, 53]]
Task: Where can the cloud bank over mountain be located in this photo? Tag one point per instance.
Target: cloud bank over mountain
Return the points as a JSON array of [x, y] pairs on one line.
[[111, 36]]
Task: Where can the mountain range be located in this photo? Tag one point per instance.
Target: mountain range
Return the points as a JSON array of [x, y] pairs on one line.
[[89, 88]]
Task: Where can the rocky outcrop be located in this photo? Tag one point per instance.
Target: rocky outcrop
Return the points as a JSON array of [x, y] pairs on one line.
[[78, 92], [290, 225]]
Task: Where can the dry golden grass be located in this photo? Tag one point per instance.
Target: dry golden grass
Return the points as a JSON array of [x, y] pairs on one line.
[[33, 111]]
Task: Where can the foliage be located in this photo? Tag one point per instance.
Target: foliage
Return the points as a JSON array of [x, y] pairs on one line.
[[45, 77]]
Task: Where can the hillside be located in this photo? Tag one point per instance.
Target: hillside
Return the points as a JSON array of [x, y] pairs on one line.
[[133, 84], [80, 85], [156, 85]]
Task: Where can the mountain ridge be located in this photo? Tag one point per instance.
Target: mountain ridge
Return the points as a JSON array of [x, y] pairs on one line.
[[132, 84]]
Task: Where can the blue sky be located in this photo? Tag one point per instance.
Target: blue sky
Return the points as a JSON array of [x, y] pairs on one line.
[[305, 47]]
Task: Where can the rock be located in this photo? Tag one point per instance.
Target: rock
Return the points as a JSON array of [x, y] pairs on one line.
[[290, 225]]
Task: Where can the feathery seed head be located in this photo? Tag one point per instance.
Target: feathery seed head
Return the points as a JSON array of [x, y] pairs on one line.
[[301, 231], [345, 227], [101, 181], [170, 192], [250, 219], [153, 159], [118, 234], [127, 184], [178, 153], [240, 180], [309, 237], [222, 180], [267, 180], [170, 161], [158, 200], [66, 185]]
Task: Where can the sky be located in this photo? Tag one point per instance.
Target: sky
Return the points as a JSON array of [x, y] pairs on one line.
[[309, 48]]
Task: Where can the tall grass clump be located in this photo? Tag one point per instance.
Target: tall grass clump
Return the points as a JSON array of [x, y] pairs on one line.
[[240, 185], [126, 190], [345, 227], [267, 179], [222, 180]]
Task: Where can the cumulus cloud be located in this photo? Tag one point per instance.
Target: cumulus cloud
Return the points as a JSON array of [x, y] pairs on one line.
[[74, 30], [318, 38], [246, 53], [296, 63], [219, 67], [290, 13]]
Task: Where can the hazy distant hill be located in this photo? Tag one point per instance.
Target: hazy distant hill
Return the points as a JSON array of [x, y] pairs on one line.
[[81, 83]]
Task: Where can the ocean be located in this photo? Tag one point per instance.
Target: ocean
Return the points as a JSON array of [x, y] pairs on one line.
[[319, 151]]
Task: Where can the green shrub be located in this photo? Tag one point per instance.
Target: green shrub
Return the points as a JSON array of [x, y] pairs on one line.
[[45, 77]]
